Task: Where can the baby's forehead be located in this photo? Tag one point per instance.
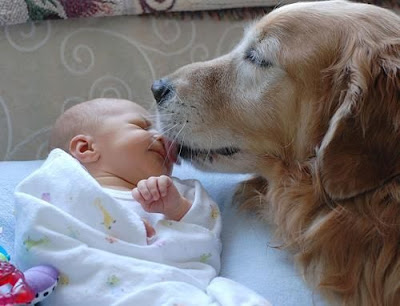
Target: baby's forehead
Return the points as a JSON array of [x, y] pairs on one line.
[[138, 112], [123, 107], [126, 112]]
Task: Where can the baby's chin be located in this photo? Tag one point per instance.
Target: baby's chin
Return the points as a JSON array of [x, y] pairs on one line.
[[164, 169], [168, 169]]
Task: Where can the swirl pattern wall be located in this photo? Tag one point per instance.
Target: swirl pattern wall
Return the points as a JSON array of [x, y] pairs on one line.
[[47, 67]]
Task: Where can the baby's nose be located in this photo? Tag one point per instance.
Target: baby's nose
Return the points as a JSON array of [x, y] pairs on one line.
[[159, 137]]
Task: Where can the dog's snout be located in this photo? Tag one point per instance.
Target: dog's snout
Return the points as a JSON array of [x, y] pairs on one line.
[[160, 89]]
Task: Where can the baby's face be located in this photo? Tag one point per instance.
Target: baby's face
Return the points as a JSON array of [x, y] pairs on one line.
[[129, 146]]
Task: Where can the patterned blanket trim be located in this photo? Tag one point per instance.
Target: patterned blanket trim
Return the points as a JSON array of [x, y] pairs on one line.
[[20, 11]]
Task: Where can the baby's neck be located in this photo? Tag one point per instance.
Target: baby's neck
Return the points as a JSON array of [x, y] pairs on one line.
[[114, 183], [107, 179]]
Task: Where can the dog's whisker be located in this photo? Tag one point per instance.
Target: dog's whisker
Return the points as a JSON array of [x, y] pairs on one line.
[[159, 115], [163, 132], [153, 107], [176, 136], [153, 118], [211, 145], [183, 141], [153, 142], [178, 98]]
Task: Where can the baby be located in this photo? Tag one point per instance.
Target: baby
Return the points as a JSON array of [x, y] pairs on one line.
[[118, 145], [105, 212]]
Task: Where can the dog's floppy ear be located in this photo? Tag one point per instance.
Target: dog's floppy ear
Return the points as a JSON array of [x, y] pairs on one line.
[[361, 149]]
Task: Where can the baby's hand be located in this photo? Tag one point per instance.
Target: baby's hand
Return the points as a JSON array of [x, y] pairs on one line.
[[159, 195]]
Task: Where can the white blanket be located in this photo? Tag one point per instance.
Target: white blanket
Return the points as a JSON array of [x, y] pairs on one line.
[[65, 218]]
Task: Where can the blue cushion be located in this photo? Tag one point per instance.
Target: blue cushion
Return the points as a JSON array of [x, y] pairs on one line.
[[247, 255]]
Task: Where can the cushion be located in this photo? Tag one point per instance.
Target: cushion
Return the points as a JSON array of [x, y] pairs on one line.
[[19, 11]]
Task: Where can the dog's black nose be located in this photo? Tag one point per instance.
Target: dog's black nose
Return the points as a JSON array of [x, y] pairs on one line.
[[160, 89]]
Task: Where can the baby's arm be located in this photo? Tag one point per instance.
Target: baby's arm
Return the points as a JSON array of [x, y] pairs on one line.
[[159, 195]]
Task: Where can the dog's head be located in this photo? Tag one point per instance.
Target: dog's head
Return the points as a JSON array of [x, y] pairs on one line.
[[314, 80]]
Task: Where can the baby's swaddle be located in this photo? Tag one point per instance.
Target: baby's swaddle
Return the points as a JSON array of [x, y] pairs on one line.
[[66, 219]]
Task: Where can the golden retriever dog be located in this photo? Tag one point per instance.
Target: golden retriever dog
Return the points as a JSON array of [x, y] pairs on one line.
[[308, 101]]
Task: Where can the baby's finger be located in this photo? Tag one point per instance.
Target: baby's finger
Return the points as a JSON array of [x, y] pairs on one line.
[[150, 231], [137, 196], [143, 190], [163, 183], [153, 187]]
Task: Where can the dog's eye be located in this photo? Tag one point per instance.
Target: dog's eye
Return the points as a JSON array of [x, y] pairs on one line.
[[252, 56]]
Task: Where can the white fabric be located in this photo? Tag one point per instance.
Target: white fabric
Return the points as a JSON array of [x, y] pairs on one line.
[[65, 218], [248, 257]]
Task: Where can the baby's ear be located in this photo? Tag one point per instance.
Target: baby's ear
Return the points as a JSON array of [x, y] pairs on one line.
[[81, 147]]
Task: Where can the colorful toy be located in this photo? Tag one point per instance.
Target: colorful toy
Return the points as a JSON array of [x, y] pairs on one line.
[[4, 255], [30, 287]]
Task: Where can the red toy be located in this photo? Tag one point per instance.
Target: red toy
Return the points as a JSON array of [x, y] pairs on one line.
[[20, 292], [30, 287]]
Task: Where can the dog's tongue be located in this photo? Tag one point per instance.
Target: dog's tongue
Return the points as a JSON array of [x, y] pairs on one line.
[[172, 151]]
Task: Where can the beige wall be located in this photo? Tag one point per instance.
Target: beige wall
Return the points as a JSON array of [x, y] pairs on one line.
[[50, 66]]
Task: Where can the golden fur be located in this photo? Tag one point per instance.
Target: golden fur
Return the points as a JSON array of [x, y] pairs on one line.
[[310, 99]]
